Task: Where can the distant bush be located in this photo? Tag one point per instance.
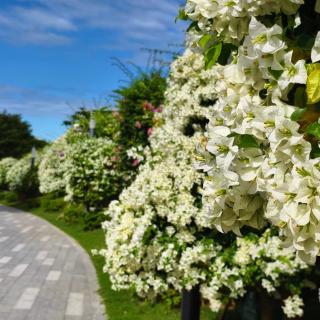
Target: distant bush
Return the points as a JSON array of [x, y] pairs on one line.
[[106, 120], [92, 175]]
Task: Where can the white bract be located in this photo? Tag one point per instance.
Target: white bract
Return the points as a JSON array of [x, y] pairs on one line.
[[315, 53]]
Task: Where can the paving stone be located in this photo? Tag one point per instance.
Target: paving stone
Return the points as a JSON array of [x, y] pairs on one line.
[[44, 274]]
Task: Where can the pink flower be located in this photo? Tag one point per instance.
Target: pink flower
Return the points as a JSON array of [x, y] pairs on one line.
[[135, 162], [149, 131], [138, 125], [158, 110], [115, 159], [148, 106]]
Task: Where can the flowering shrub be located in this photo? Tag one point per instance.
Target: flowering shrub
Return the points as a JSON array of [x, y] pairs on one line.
[[22, 178], [157, 234], [137, 105], [91, 175], [160, 195], [52, 168], [5, 165], [253, 85]]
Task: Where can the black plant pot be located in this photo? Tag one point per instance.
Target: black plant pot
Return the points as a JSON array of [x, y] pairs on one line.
[[312, 305], [254, 306], [258, 306]]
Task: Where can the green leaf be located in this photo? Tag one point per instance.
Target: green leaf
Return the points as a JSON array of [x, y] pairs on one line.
[[300, 97], [275, 73], [290, 23], [297, 115], [313, 87], [204, 41], [315, 152], [194, 25], [312, 66], [246, 141], [226, 52], [314, 129], [182, 15], [212, 55], [305, 41]]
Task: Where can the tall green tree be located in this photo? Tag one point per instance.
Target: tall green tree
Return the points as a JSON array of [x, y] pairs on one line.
[[16, 138]]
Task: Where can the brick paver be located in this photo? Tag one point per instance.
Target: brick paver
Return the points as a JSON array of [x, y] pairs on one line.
[[44, 274]]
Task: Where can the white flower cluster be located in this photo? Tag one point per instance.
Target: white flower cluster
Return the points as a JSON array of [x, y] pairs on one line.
[[228, 20], [5, 165], [257, 161], [53, 166], [293, 307]]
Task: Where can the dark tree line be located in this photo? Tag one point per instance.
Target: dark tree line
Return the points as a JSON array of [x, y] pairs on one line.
[[16, 137]]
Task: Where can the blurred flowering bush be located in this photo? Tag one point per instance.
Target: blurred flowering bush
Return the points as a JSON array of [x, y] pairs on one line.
[[5, 165], [52, 167], [22, 178]]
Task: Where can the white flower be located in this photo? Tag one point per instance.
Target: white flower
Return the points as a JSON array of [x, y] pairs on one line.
[[268, 285], [220, 145], [315, 53]]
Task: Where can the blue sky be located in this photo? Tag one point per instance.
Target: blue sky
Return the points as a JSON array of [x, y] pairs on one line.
[[55, 55]]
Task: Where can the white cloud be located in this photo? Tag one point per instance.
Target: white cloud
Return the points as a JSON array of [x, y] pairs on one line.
[[58, 21], [43, 101]]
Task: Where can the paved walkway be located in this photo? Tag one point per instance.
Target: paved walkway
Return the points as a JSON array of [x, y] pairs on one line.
[[44, 275]]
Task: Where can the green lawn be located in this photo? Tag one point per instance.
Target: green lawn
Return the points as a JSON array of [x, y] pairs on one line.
[[123, 305]]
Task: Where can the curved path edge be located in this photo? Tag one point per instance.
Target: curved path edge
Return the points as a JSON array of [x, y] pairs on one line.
[[44, 273]]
